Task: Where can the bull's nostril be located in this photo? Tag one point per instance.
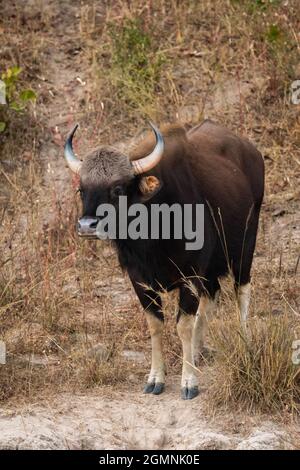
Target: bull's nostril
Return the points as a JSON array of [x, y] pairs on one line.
[[94, 224]]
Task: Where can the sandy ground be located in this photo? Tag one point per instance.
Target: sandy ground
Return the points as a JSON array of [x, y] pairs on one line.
[[124, 418], [131, 420]]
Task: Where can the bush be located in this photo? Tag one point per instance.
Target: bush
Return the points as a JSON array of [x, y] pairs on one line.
[[13, 96], [258, 371], [135, 66]]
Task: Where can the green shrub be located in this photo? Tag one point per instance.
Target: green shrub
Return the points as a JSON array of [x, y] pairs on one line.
[[273, 33], [135, 66], [15, 98]]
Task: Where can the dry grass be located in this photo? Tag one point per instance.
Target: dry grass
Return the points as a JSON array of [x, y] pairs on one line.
[[255, 370], [60, 296]]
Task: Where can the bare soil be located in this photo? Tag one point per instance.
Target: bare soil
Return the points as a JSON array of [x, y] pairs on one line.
[[126, 419]]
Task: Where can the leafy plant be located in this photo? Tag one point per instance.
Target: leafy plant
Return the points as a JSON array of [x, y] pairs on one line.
[[15, 98], [274, 33], [253, 6], [135, 66]]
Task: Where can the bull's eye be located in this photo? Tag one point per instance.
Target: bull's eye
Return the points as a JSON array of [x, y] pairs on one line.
[[117, 191], [79, 190]]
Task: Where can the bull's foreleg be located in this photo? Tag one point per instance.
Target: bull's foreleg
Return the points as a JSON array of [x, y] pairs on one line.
[[156, 379], [152, 305], [188, 305]]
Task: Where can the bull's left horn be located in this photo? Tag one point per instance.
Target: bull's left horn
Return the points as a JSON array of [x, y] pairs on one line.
[[142, 165], [73, 162]]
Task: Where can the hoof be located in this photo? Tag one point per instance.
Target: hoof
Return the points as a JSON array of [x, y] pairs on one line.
[[189, 393], [159, 388], [149, 387], [155, 388]]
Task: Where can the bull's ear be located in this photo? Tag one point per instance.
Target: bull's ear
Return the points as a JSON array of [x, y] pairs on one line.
[[149, 186]]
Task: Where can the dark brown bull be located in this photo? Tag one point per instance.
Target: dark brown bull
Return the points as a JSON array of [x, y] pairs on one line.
[[207, 165]]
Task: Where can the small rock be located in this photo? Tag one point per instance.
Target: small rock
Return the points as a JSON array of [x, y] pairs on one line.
[[99, 352], [131, 378], [229, 94], [134, 356], [189, 114], [263, 440], [168, 418], [278, 212], [147, 439], [214, 441], [38, 360]]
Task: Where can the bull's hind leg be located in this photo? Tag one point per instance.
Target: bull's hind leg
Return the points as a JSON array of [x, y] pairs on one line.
[[243, 297], [207, 305], [188, 305], [242, 268], [204, 312]]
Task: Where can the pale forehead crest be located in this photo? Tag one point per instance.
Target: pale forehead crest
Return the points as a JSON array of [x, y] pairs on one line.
[[104, 166]]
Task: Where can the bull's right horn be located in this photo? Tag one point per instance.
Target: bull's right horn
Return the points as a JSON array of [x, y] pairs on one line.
[[73, 162], [142, 165]]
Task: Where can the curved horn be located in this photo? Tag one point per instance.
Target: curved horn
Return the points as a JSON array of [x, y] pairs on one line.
[[150, 161], [73, 162]]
